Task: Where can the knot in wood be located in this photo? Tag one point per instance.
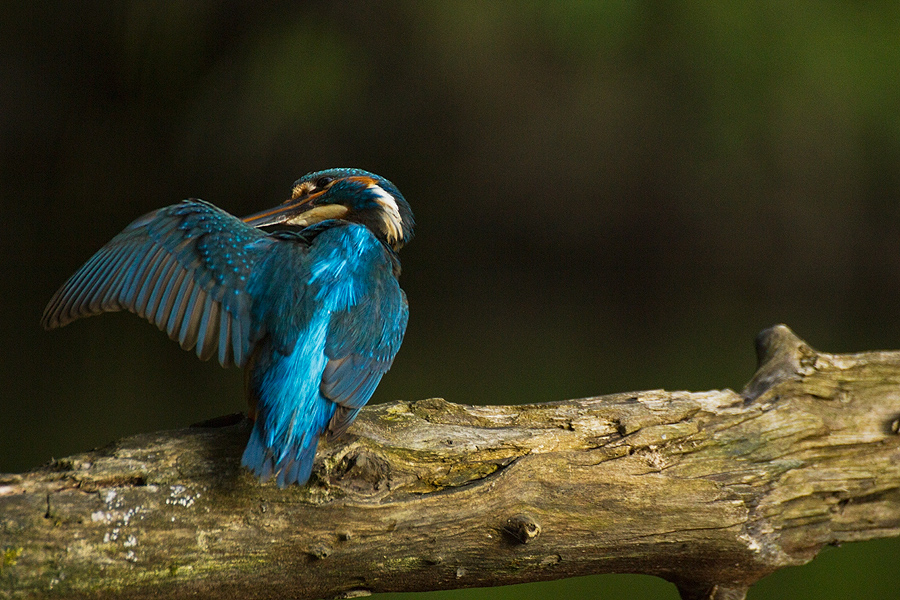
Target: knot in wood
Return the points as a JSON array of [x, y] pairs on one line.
[[320, 551], [523, 528], [361, 471]]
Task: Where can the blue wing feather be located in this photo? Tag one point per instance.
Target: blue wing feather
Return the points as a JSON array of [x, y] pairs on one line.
[[361, 349], [185, 269]]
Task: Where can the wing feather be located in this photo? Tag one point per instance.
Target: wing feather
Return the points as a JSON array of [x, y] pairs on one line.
[[226, 355], [187, 333], [167, 302], [87, 299], [186, 269], [149, 274], [136, 275], [115, 271], [238, 349], [167, 272], [179, 304], [208, 336], [361, 348]]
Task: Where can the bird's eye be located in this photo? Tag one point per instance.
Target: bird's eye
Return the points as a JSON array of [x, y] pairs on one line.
[[323, 182]]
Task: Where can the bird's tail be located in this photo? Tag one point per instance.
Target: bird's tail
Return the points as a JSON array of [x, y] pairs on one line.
[[289, 408], [292, 464]]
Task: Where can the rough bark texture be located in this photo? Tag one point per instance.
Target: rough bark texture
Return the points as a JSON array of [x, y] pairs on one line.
[[709, 490]]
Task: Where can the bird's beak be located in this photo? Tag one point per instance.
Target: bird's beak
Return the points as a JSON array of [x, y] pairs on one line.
[[301, 211]]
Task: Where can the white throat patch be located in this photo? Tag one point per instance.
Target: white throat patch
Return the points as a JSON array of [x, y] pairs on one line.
[[393, 223]]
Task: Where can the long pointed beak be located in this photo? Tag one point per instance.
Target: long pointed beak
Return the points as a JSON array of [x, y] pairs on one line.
[[284, 212], [300, 211]]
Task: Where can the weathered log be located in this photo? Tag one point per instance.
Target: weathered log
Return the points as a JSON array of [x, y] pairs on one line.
[[710, 490]]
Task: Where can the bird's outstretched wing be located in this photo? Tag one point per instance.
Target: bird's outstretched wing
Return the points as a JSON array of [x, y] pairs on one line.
[[360, 348], [184, 268]]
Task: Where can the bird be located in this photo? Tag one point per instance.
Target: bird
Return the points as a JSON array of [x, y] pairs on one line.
[[312, 311]]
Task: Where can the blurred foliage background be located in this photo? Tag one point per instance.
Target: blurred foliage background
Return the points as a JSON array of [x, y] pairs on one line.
[[611, 196]]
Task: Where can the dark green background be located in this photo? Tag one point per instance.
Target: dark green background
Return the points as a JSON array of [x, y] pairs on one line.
[[612, 196]]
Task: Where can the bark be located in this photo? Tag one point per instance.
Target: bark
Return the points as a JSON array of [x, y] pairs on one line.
[[710, 490]]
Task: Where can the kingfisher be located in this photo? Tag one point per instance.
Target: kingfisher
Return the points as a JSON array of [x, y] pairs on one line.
[[314, 314]]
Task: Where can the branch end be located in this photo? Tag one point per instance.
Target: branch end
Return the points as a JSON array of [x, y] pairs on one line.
[[781, 356]]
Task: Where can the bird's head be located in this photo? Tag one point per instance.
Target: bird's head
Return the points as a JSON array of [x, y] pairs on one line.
[[347, 194]]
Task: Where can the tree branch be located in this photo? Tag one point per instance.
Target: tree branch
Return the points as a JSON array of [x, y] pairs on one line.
[[709, 490]]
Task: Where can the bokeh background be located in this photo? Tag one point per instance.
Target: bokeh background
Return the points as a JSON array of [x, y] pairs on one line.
[[611, 196]]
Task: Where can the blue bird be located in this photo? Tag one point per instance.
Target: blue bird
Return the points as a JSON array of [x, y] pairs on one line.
[[314, 315]]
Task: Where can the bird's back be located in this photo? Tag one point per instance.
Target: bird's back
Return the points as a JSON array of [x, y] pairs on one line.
[[334, 317]]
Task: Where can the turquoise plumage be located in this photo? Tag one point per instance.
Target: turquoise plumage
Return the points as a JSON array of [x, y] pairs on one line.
[[314, 315]]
